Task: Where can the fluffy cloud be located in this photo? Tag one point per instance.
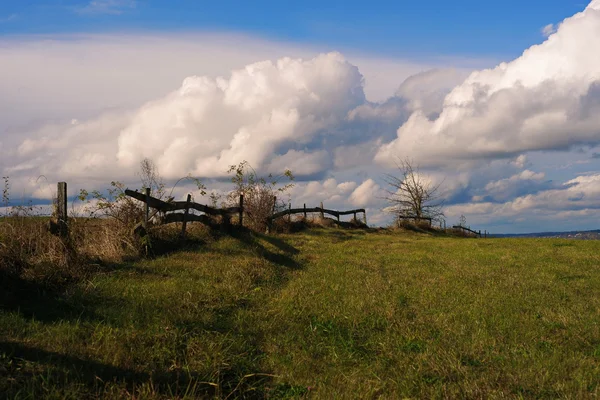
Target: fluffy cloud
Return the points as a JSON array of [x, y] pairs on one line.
[[308, 115], [549, 98], [366, 193], [259, 113], [525, 182]]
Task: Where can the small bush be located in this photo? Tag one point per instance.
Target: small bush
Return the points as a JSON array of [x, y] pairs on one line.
[[262, 196]]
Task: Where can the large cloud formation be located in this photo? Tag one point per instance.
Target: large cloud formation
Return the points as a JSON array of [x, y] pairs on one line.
[[549, 98], [266, 112]]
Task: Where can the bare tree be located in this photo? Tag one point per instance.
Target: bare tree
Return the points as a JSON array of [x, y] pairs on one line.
[[411, 195]]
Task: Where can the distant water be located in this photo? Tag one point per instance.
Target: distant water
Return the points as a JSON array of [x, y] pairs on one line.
[[581, 235]]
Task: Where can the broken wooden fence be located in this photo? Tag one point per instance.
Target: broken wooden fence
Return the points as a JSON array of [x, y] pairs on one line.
[[290, 211], [185, 206], [476, 233]]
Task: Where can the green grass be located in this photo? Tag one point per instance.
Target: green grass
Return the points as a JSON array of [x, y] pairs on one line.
[[320, 314]]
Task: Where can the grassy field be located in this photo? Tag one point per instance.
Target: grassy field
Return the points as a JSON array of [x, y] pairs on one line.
[[324, 314]]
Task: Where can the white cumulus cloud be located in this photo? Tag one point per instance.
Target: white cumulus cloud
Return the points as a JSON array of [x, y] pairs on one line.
[[549, 98], [366, 193]]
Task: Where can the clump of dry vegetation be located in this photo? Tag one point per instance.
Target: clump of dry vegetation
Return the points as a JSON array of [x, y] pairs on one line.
[[262, 195], [32, 248]]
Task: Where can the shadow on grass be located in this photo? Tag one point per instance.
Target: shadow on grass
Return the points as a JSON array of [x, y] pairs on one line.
[[29, 369], [17, 360], [41, 301], [26, 369], [252, 239]]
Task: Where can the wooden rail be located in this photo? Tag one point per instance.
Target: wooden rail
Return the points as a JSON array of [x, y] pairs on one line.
[[477, 233], [315, 209], [320, 210], [180, 205], [185, 217]]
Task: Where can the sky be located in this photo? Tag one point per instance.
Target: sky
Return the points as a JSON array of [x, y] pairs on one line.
[[498, 102]]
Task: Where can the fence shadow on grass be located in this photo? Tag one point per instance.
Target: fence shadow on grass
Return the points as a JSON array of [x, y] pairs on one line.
[[41, 301], [97, 377], [285, 258]]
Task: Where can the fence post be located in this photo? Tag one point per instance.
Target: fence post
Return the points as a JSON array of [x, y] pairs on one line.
[[146, 209], [355, 217], [322, 213], [480, 233], [241, 221], [338, 217], [365, 214], [185, 214], [289, 212], [61, 210], [304, 210]]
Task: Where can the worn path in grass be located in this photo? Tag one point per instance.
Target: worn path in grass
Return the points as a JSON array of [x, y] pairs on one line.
[[321, 314]]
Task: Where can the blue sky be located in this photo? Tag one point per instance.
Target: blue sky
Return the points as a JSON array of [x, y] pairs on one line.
[[462, 27], [497, 101]]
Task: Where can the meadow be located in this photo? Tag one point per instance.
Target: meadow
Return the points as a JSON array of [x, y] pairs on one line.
[[324, 313]]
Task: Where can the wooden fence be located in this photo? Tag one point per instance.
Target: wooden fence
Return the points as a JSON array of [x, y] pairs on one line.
[[476, 233], [290, 211], [61, 226], [163, 206]]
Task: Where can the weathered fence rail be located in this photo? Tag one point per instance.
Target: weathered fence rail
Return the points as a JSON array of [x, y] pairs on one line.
[[477, 233], [163, 206], [185, 206], [304, 210]]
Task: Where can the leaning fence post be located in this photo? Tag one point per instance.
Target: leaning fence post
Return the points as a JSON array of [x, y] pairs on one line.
[[322, 213], [185, 214], [241, 215], [147, 209], [61, 210]]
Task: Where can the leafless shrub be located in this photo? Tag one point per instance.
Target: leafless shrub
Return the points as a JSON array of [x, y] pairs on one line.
[[411, 195]]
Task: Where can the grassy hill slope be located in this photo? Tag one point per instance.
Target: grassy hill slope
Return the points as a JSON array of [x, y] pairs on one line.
[[321, 314]]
